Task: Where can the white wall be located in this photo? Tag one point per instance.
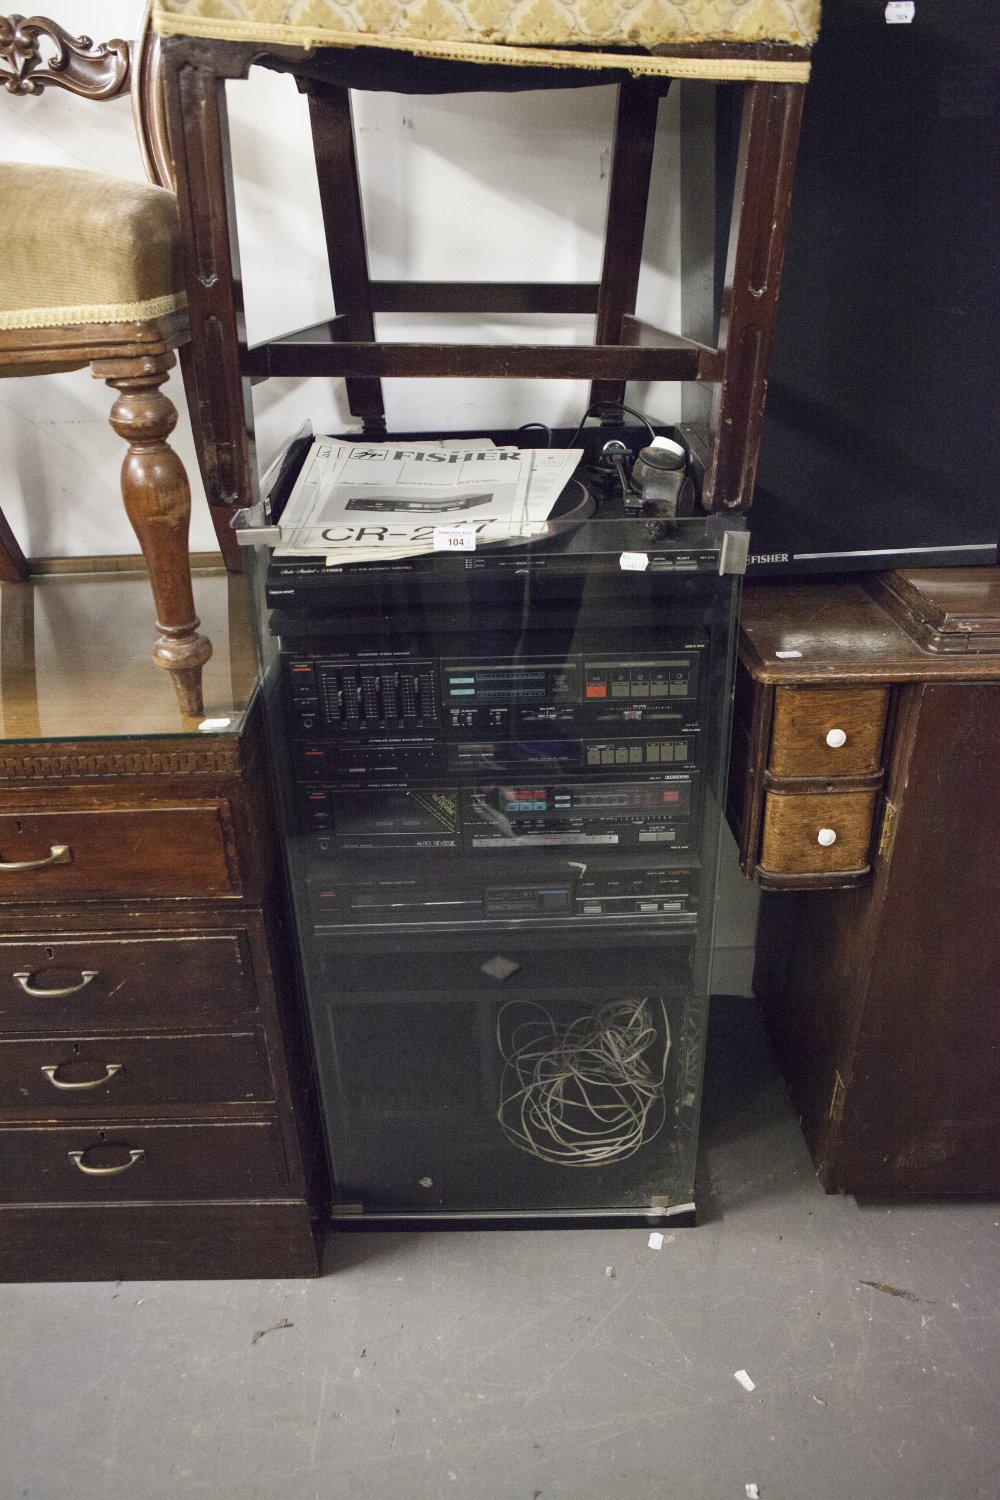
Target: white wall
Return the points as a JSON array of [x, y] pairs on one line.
[[465, 187]]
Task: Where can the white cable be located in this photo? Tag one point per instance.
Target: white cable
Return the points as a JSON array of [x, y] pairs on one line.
[[587, 1093]]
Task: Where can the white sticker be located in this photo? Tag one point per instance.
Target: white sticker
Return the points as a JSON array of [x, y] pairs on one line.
[[209, 726], [633, 562], [787, 655], [744, 1380], [656, 1240], [461, 538], [899, 12]]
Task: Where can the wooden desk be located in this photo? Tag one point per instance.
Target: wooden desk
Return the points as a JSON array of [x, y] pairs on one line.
[[152, 1121], [883, 999]]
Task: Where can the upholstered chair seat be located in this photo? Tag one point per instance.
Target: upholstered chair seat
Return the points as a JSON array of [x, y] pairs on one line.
[[497, 31], [78, 247]]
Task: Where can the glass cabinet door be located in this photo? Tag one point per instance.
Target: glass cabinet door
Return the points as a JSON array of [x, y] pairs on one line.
[[500, 776]]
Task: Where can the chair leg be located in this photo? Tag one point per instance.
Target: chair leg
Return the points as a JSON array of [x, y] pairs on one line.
[[217, 391], [193, 368], [762, 196], [158, 503], [18, 679], [344, 227], [13, 564], [628, 195]]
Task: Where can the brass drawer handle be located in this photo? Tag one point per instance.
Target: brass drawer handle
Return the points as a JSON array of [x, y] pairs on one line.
[[24, 979], [111, 1071], [76, 1157], [61, 855]]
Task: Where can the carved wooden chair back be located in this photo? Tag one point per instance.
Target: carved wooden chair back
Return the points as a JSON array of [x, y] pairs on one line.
[[148, 115]]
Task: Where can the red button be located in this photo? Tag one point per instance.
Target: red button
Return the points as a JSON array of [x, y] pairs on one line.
[[597, 690]]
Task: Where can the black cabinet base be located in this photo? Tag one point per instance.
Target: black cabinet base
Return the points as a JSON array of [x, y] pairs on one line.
[[680, 1216]]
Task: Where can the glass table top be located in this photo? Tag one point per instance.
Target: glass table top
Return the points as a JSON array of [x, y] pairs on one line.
[[75, 659]]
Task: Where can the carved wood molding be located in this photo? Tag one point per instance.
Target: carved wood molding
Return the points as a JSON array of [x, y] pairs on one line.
[[75, 764], [36, 53], [224, 59], [88, 342]]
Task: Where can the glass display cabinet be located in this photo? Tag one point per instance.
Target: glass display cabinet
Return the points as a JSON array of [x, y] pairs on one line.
[[501, 778]]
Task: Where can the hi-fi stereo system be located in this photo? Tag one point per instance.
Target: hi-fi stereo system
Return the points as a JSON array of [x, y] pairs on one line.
[[500, 778], [512, 774]]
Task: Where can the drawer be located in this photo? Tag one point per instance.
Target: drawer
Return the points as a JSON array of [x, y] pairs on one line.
[[171, 849], [793, 825], [110, 984], [827, 731], [140, 1163], [55, 1075]]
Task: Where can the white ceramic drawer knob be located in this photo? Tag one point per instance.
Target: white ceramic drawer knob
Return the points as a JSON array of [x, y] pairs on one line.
[[826, 837], [835, 738]]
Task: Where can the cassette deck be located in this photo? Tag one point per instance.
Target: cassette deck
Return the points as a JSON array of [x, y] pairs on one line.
[[446, 892], [485, 818]]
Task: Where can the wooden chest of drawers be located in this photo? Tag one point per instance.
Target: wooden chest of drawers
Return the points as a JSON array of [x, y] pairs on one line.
[[153, 1083]]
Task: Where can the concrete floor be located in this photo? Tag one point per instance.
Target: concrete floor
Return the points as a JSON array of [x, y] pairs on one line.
[[545, 1366]]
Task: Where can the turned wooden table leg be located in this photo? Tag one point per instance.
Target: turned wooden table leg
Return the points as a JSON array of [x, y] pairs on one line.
[[158, 503]]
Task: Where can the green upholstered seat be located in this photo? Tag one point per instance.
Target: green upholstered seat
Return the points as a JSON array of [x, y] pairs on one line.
[[78, 247], [546, 33]]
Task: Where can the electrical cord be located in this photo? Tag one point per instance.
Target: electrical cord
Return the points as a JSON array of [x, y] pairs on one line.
[[616, 406], [527, 426], [584, 1094]]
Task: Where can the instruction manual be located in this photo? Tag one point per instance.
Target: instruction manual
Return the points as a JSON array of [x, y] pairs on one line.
[[360, 501]]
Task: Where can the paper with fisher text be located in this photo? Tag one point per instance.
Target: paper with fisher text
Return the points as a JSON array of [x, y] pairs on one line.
[[362, 502]]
